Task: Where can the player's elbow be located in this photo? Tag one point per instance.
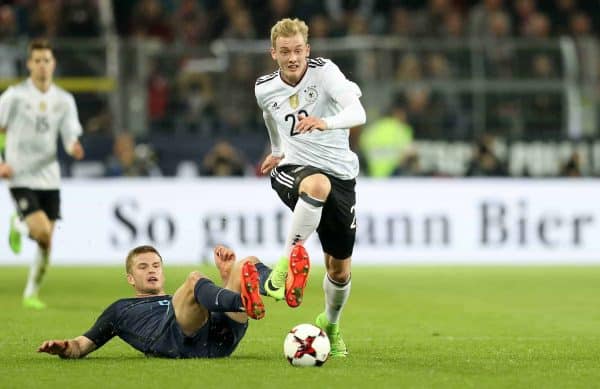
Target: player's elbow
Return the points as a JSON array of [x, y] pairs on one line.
[[361, 115]]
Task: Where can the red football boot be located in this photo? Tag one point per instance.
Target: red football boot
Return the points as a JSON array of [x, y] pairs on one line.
[[297, 276], [253, 303]]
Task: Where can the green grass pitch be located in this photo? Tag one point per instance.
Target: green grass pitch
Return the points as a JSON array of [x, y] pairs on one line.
[[406, 327]]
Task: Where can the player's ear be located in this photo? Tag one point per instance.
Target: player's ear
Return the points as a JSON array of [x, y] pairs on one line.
[[307, 50], [273, 53], [130, 279]]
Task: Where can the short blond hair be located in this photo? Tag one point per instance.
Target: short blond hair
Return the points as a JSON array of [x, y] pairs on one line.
[[289, 27], [137, 251]]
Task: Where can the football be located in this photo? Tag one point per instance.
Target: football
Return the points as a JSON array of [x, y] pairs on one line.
[[306, 345]]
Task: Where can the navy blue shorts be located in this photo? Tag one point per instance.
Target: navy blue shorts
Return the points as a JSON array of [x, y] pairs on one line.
[[217, 339]]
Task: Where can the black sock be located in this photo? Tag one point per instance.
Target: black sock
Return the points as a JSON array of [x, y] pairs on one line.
[[263, 274], [217, 299]]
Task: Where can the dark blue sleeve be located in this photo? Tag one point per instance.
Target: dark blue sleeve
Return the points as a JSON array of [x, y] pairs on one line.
[[104, 328]]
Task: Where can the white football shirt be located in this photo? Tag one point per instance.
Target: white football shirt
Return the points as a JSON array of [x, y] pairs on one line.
[[314, 95], [33, 120]]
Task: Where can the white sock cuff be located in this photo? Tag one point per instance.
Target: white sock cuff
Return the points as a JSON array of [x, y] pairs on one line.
[[311, 202]]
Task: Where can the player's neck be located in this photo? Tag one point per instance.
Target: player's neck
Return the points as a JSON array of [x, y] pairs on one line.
[[42, 86], [296, 81]]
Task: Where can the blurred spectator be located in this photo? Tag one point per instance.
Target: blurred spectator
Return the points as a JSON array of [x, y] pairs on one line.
[[79, 18], [429, 21], [151, 22], [499, 52], [400, 22], [196, 99], [561, 14], [580, 25], [9, 55], [236, 101], [43, 19], [319, 27], [158, 95], [481, 15], [524, 11], [572, 166], [131, 160], [410, 68], [484, 162], [538, 27], [385, 141], [192, 24], [453, 25], [8, 23], [240, 26], [223, 161], [409, 165]]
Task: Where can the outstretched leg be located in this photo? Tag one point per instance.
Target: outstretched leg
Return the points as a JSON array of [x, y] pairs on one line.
[[40, 230]]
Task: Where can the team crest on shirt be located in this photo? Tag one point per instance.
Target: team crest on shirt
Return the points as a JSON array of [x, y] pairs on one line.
[[311, 94], [43, 106], [294, 101]]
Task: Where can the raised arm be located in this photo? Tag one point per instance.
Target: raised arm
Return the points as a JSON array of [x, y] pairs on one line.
[[69, 348]]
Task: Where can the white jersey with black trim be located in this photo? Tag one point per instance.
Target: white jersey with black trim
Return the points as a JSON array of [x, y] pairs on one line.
[[33, 120], [314, 95]]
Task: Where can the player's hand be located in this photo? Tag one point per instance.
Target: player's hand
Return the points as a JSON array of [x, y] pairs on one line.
[[54, 347], [310, 123], [269, 163], [77, 151], [5, 170], [224, 254]]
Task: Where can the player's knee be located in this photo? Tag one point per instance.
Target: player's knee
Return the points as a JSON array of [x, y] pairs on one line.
[[339, 275], [43, 237], [317, 186], [194, 277]]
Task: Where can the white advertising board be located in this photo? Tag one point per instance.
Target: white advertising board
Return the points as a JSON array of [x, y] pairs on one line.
[[402, 221]]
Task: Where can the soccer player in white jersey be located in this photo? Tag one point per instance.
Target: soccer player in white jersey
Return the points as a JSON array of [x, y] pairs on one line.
[[309, 106], [32, 114]]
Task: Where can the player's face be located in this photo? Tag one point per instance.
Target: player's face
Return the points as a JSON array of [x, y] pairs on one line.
[[146, 275], [291, 54], [41, 65]]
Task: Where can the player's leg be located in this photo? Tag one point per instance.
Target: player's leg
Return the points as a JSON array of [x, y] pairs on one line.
[[40, 230], [198, 296], [336, 286], [305, 191], [337, 233], [245, 280], [189, 313], [40, 218]]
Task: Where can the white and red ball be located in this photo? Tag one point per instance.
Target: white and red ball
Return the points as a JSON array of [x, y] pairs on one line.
[[306, 345]]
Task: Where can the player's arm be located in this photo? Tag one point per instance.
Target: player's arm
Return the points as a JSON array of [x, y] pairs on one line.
[[69, 348], [6, 104], [276, 155], [71, 129], [101, 332], [352, 114], [346, 94]]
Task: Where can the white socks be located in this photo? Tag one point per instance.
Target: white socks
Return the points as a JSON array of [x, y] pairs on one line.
[[305, 220], [20, 226], [336, 296], [36, 273]]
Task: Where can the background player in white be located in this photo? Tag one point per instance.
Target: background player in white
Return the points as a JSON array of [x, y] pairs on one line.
[[33, 113], [309, 106]]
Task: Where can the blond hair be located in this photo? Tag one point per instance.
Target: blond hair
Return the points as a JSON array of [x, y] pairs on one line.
[[289, 27], [135, 252]]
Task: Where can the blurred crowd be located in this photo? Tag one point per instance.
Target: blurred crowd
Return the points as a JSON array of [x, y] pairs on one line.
[[195, 106], [198, 21]]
